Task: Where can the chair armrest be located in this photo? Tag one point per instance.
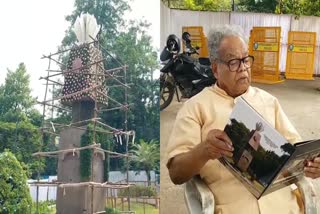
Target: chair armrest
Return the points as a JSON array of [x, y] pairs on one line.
[[198, 196], [310, 190]]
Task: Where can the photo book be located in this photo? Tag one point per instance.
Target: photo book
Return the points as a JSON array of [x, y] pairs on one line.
[[263, 160]]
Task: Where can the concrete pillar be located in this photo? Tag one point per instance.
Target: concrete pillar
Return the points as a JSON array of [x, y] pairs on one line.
[[78, 199]]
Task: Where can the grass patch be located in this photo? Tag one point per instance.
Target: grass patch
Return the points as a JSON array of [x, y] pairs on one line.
[[139, 208]]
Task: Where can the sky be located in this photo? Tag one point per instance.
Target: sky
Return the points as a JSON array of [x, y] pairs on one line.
[[33, 28], [241, 113]]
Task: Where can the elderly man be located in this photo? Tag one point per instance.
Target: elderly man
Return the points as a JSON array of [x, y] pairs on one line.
[[198, 139]]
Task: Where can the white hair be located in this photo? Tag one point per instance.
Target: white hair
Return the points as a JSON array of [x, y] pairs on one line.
[[216, 35]]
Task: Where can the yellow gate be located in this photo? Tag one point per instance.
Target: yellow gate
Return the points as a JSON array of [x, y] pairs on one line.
[[264, 45], [300, 55], [198, 39]]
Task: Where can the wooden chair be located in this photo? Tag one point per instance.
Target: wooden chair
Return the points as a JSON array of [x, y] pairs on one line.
[[199, 199]]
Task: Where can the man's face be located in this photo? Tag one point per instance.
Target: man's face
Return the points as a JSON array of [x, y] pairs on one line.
[[235, 82]]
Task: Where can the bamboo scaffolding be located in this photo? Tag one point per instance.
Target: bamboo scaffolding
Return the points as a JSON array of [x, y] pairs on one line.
[[60, 71], [89, 120], [124, 107], [114, 153], [115, 86], [59, 52], [109, 127], [82, 67], [47, 78], [121, 83], [73, 94], [80, 184], [113, 74], [48, 132], [73, 69], [106, 51], [93, 146], [55, 106], [113, 100], [56, 61]]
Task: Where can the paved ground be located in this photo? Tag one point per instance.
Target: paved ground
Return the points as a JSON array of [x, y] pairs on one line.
[[299, 99]]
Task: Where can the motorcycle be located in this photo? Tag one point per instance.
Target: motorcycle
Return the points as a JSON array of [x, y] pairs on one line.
[[182, 71]]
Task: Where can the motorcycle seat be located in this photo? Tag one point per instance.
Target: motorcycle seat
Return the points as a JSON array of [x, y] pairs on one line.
[[204, 61]]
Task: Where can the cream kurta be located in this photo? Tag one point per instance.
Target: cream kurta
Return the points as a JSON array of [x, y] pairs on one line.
[[211, 109]]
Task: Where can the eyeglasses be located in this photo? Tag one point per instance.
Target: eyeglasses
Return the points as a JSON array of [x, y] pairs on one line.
[[234, 64]]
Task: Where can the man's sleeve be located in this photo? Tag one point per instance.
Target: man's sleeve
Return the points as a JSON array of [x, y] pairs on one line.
[[186, 132], [284, 126]]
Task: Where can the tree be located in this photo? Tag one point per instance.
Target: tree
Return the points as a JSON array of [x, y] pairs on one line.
[[19, 119], [207, 5], [290, 7], [14, 191], [129, 44], [146, 156], [211, 5], [296, 7], [16, 100], [133, 48], [299, 8], [174, 3], [258, 6], [22, 140], [108, 13], [310, 8]]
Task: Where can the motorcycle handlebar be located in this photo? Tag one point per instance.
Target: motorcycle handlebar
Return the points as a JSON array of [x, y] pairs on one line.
[[165, 68]]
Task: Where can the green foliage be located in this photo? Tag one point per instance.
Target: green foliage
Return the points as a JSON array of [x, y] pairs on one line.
[[110, 210], [15, 98], [51, 163], [264, 163], [109, 14], [44, 207], [174, 3], [106, 143], [146, 156], [299, 8], [295, 7], [20, 120], [288, 148], [239, 136], [138, 191], [260, 6], [22, 139], [133, 48], [86, 155], [207, 5], [310, 8], [129, 44], [14, 192]]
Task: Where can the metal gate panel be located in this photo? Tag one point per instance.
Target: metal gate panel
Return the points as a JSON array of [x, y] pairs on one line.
[[264, 45], [300, 55]]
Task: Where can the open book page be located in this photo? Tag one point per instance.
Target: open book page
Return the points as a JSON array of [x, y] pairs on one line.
[[260, 151], [294, 169]]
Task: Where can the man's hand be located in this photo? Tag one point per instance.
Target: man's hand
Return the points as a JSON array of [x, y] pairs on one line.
[[217, 144], [186, 165], [312, 169]]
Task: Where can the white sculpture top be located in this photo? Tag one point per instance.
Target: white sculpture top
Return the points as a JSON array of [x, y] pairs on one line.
[[86, 27]]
